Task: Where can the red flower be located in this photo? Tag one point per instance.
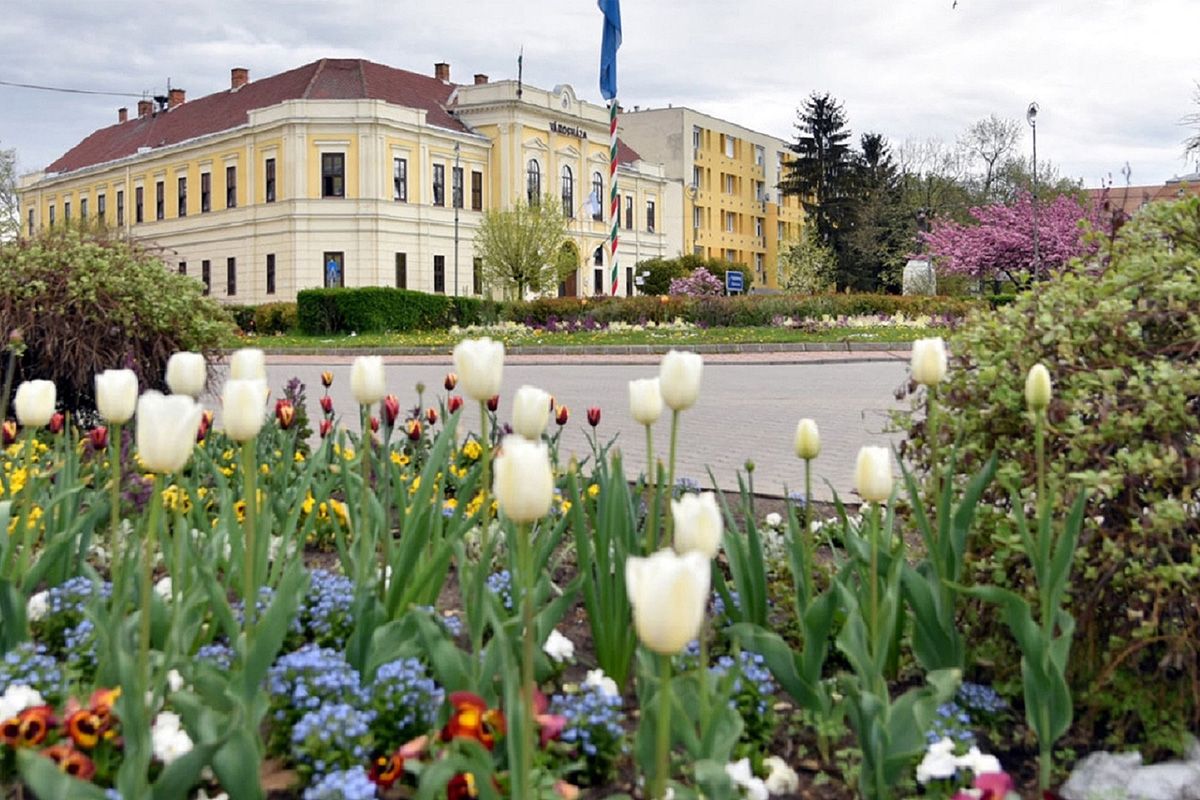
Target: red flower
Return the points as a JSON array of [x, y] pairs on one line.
[[391, 409], [98, 437], [85, 728], [9, 431], [327, 379], [493, 402], [57, 420], [431, 416], [562, 415], [461, 786], [29, 728], [413, 427], [472, 719], [450, 382], [71, 761], [593, 416], [205, 424], [327, 404], [326, 427], [374, 423], [549, 725], [994, 785], [454, 403], [386, 770], [285, 412]]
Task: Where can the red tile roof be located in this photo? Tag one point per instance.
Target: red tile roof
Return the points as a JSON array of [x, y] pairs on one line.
[[1130, 199], [327, 79], [625, 153]]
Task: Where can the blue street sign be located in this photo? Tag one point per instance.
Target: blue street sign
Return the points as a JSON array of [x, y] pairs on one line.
[[734, 283]]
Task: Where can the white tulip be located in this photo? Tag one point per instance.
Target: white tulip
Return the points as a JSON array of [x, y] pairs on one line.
[[559, 647], [367, 382], [645, 401], [248, 364], [808, 439], [479, 364], [1038, 388], [243, 411], [697, 524], [34, 403], [679, 379], [929, 361], [524, 481], [531, 412], [668, 593], [873, 474], [116, 395], [187, 373], [166, 430]]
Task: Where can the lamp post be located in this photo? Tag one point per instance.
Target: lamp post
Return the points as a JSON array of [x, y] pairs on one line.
[[1031, 117], [456, 200]]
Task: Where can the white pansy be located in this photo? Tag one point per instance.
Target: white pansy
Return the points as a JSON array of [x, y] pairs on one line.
[[559, 647], [939, 762], [163, 587], [781, 778], [174, 680], [739, 772], [596, 677], [37, 608], [774, 520], [168, 739], [978, 762], [16, 698]]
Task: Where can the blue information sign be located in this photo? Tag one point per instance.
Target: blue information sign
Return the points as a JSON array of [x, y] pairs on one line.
[[734, 283]]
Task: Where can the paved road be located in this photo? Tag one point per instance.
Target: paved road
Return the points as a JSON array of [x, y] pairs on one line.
[[748, 407]]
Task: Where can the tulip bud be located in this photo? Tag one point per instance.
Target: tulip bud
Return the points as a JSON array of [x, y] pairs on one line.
[[531, 412], [8, 431], [479, 364], [929, 361], [873, 474], [413, 429], [431, 416], [367, 382], [248, 364], [391, 409], [327, 379], [698, 524], [167, 427], [326, 427], [645, 400], [493, 403], [679, 379], [57, 421], [327, 405], [562, 415], [668, 593], [454, 403], [1038, 388], [98, 437], [450, 382], [116, 395], [242, 408], [373, 422], [808, 439], [524, 481], [593, 416], [206, 420], [187, 373], [285, 412], [34, 403]]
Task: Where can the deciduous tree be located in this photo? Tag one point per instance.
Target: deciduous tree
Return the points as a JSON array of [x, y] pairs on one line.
[[522, 247]]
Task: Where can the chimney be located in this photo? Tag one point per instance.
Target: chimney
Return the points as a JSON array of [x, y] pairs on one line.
[[441, 71], [480, 79], [145, 108], [238, 77], [174, 98], [122, 114]]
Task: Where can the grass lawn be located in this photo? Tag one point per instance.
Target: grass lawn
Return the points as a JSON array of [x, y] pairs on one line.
[[666, 336]]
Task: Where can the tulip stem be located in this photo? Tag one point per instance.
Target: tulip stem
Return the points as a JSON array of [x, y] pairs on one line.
[[485, 508], [670, 523], [28, 490], [114, 511], [651, 495], [662, 748], [149, 548], [250, 488], [525, 568], [385, 474], [931, 430], [806, 534], [874, 545]]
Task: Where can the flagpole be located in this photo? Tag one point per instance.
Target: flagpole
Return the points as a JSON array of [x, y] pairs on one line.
[[615, 197]]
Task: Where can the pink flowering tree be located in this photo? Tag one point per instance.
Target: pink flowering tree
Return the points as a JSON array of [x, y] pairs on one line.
[[1000, 244], [701, 283]]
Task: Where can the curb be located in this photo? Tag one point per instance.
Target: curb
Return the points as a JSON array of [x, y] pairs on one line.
[[832, 348]]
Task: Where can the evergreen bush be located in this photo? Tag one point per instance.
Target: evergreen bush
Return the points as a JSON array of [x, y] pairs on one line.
[[370, 309]]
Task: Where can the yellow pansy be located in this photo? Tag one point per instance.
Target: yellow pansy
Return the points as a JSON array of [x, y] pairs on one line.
[[593, 491]]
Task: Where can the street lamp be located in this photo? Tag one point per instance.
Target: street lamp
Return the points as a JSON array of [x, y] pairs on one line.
[[456, 200], [1031, 114]]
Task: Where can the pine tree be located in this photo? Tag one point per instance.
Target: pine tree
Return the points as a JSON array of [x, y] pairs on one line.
[[884, 233]]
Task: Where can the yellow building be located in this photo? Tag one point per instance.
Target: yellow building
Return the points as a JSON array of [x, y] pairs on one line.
[[341, 172], [733, 209]]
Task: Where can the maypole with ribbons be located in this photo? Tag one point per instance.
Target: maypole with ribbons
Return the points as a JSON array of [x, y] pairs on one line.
[[608, 89], [614, 204]]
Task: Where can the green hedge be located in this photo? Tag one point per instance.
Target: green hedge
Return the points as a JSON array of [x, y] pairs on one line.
[[373, 309], [270, 318]]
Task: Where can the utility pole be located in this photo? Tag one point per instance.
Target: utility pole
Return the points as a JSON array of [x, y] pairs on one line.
[[456, 201]]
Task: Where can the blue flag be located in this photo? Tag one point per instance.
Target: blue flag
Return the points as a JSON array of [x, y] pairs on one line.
[[608, 47]]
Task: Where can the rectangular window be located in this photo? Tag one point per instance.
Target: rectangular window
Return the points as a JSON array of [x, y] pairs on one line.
[[51, 215], [629, 212], [271, 270], [477, 192], [120, 206], [697, 176], [183, 197], [231, 187], [730, 146], [205, 192], [598, 281], [160, 206], [206, 275], [598, 256], [333, 175], [780, 232], [401, 270], [183, 268], [100, 207], [760, 155], [477, 275], [650, 216], [83, 209], [695, 138], [758, 226], [456, 177], [400, 180], [439, 184], [31, 222], [628, 281], [697, 214], [66, 211], [270, 175], [231, 276], [138, 205], [730, 221], [335, 269], [439, 274], [730, 184]]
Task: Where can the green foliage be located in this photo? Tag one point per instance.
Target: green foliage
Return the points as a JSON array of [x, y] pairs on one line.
[[87, 301], [1120, 343], [272, 318], [243, 316], [373, 309], [522, 247], [664, 270], [807, 266]]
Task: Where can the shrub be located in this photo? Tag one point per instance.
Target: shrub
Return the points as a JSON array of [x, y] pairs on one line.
[[1121, 346], [87, 301], [243, 317], [272, 318], [662, 272], [700, 283], [370, 309]]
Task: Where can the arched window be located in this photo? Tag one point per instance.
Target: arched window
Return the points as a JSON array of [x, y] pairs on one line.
[[533, 182], [597, 196], [568, 192]]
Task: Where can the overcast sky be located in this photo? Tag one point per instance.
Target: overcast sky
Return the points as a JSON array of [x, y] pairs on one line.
[[1114, 78]]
